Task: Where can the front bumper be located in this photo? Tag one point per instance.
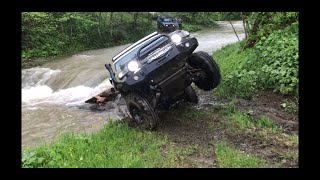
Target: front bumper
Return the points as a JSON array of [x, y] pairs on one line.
[[146, 75], [151, 74]]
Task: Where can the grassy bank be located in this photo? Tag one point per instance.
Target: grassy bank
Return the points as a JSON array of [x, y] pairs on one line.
[[188, 137], [116, 145], [250, 140], [272, 64], [229, 157]]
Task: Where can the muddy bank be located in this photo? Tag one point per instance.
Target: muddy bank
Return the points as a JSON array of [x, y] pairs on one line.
[[199, 127], [269, 104]]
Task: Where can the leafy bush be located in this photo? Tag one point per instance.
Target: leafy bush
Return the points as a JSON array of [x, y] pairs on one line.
[[191, 27], [261, 24], [120, 36], [271, 64], [280, 54], [237, 79]]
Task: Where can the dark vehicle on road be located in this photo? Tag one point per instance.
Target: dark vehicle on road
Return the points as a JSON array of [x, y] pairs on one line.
[[156, 72], [168, 24]]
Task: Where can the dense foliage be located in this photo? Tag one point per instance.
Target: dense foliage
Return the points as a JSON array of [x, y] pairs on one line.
[[261, 24], [194, 21], [272, 63], [47, 34], [280, 53]]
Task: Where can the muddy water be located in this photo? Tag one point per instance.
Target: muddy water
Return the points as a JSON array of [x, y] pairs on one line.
[[53, 95]]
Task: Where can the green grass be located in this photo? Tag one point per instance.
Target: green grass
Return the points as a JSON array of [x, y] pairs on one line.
[[228, 157], [244, 125], [229, 58], [192, 27], [116, 145], [235, 82], [229, 108], [294, 139], [237, 120], [197, 27], [272, 64], [242, 120], [267, 124]]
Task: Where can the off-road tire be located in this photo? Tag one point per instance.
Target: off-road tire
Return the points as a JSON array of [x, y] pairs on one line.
[[139, 105], [190, 95], [211, 72]]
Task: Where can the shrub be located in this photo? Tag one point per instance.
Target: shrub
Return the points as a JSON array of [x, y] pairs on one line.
[[280, 55], [271, 64]]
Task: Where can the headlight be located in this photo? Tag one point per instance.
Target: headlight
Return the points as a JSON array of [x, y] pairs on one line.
[[133, 66], [176, 38]]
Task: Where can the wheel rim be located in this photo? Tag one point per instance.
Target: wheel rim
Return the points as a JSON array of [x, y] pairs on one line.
[[137, 115], [141, 112]]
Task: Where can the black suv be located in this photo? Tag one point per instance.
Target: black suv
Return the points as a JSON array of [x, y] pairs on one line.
[[156, 72], [168, 24]]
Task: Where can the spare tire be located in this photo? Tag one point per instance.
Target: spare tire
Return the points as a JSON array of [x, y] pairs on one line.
[[210, 78]]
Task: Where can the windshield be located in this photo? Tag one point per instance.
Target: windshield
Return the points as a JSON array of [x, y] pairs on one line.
[[167, 19]]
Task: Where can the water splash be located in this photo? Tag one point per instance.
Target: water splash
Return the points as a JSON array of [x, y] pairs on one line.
[[37, 76], [38, 92], [70, 96]]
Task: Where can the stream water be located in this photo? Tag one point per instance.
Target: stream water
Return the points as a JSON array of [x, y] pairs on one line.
[[53, 95]]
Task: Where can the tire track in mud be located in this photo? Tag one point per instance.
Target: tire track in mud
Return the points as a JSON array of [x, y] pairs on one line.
[[200, 126], [197, 128]]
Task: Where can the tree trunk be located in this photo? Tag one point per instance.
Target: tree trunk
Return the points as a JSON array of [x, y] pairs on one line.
[[135, 17], [149, 18], [106, 27], [234, 30], [121, 18], [71, 32], [252, 34], [244, 25], [111, 16], [99, 20]]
